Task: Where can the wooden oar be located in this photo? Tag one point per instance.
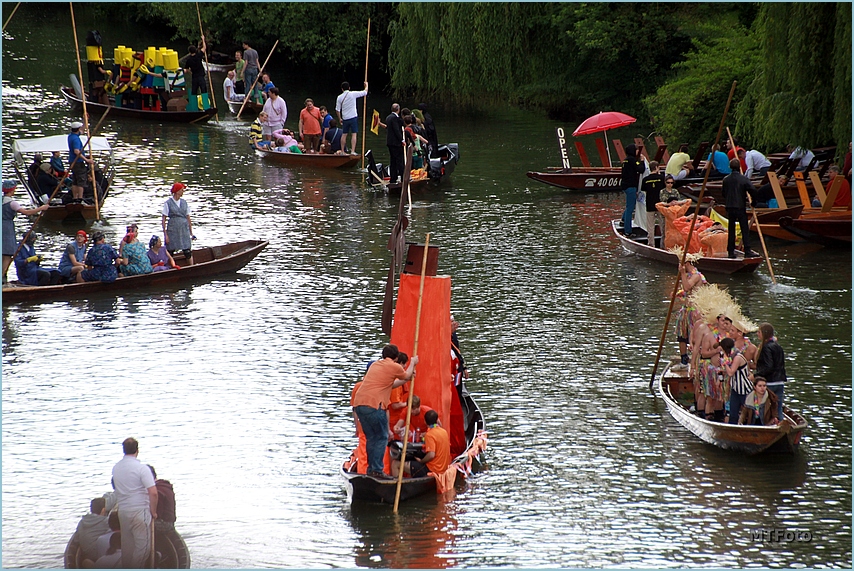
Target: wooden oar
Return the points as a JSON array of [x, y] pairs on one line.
[[260, 71], [412, 382], [753, 211], [212, 98], [365, 98], [688, 241], [10, 16], [85, 116]]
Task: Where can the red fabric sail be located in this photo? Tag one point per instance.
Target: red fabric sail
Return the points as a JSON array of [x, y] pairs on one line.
[[432, 374]]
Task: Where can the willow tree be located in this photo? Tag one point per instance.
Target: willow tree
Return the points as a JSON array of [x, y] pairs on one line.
[[801, 93]]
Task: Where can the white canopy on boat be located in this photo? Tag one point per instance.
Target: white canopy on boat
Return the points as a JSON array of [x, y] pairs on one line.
[[47, 145]]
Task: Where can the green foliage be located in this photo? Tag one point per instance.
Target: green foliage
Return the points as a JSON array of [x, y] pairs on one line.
[[801, 93], [689, 107]]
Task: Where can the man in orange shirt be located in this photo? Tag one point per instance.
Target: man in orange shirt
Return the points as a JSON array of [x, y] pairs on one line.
[[417, 424], [371, 402], [309, 126], [437, 451]]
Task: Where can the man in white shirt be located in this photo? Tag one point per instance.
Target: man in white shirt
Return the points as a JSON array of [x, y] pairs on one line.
[[756, 162], [805, 155], [348, 118], [277, 114], [228, 88], [137, 496]]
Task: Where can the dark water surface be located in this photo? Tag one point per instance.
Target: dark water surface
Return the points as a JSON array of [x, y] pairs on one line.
[[237, 388]]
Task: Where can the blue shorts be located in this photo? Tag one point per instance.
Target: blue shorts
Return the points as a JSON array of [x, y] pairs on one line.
[[350, 125]]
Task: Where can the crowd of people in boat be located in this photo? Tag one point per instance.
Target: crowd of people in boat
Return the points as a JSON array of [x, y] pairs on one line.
[[665, 208], [101, 262], [380, 402], [117, 531], [735, 381]]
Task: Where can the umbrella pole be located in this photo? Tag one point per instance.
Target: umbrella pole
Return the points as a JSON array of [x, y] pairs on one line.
[[607, 148]]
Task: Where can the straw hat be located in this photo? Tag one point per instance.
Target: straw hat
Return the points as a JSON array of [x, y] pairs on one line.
[[688, 258], [712, 301]]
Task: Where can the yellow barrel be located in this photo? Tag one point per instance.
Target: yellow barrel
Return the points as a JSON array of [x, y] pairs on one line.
[[158, 57], [170, 60], [94, 54]]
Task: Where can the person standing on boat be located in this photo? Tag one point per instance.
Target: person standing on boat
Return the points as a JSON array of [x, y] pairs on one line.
[[430, 129], [652, 186], [394, 141], [78, 160], [738, 373], [239, 66], [633, 167], [371, 403], [251, 71], [687, 315], [277, 114], [310, 126], [12, 208], [348, 117], [165, 503], [137, 495], [194, 64], [73, 258], [771, 364], [178, 234], [736, 187]]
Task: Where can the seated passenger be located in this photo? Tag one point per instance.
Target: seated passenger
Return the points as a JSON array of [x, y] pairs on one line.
[[27, 265], [57, 165], [92, 526], [228, 88], [436, 448], [256, 130], [100, 261], [132, 254], [47, 182], [103, 543], [287, 143], [72, 261], [417, 424], [760, 405], [332, 139], [843, 197], [113, 558], [159, 256]]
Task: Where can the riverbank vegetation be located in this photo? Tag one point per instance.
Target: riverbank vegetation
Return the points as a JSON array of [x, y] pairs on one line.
[[670, 65]]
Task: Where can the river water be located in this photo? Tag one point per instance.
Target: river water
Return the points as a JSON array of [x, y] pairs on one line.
[[237, 387]]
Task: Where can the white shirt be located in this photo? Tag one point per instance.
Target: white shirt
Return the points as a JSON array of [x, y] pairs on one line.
[[228, 90], [806, 157], [346, 104], [277, 112], [755, 161], [165, 210], [132, 479]]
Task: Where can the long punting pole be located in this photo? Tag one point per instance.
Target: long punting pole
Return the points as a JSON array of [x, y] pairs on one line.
[[365, 99], [211, 97], [260, 71], [9, 19], [688, 241], [412, 383], [753, 211], [85, 115]]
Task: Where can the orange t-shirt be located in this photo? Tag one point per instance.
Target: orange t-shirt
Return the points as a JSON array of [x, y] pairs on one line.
[[310, 121], [416, 423], [437, 441], [375, 391]]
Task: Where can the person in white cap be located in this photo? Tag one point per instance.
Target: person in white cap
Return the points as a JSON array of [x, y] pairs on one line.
[[79, 171]]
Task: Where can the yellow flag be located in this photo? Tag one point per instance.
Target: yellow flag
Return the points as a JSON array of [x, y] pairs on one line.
[[375, 123]]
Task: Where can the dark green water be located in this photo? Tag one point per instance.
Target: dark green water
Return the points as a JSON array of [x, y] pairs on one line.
[[237, 388]]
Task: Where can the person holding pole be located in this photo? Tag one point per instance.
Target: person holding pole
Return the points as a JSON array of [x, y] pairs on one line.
[[348, 117], [12, 208], [735, 188], [136, 492], [77, 159], [371, 403]]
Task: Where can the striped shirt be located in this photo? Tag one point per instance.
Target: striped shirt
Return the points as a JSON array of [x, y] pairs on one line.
[[740, 382]]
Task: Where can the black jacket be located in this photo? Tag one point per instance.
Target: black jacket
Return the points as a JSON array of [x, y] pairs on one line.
[[735, 188], [394, 130], [771, 363], [633, 167]]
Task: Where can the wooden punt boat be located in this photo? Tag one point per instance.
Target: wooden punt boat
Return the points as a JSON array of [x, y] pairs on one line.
[[171, 550], [210, 261], [705, 264], [590, 179], [457, 410], [313, 160], [366, 488], [62, 208], [438, 169], [677, 390], [97, 109], [249, 109], [829, 229]]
